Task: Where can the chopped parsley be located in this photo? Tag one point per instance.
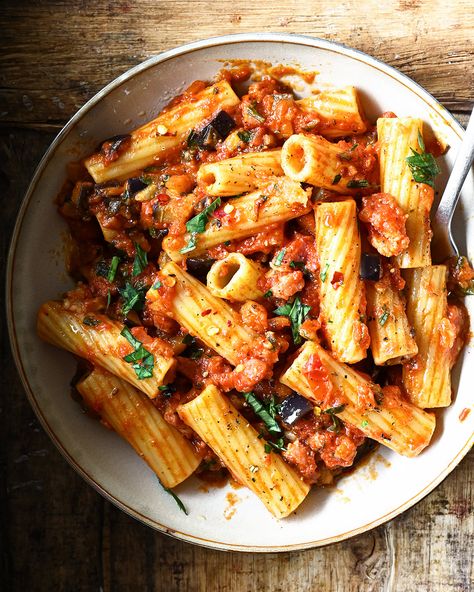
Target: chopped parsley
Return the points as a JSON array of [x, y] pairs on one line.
[[324, 274], [140, 261], [167, 389], [422, 164], [245, 136], [336, 422], [113, 268], [141, 359], [364, 424], [354, 183], [197, 224], [279, 257], [180, 504], [276, 445], [268, 294], [253, 112], [192, 350], [191, 244], [157, 285], [134, 298], [297, 312], [265, 412], [384, 316], [336, 179]]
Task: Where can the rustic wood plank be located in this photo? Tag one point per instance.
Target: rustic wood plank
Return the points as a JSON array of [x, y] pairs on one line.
[[50, 519], [84, 48]]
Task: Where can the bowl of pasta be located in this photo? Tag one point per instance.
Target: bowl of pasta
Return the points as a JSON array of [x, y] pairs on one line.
[[246, 298]]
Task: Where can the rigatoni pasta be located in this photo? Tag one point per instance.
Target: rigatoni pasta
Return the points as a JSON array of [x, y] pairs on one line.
[[278, 200], [134, 417], [239, 174], [101, 340], [239, 292], [427, 378], [398, 138], [237, 443], [338, 110], [342, 296], [391, 336], [206, 316], [314, 160], [235, 278], [155, 141], [393, 422]]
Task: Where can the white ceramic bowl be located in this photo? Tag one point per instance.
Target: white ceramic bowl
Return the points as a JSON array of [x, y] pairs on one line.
[[374, 493]]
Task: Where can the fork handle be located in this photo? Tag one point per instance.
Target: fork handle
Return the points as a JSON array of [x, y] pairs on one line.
[[442, 219]]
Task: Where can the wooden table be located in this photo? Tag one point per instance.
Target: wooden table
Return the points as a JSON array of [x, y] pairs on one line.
[[57, 534]]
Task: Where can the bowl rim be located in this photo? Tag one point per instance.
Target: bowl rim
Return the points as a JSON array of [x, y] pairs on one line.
[[290, 38]]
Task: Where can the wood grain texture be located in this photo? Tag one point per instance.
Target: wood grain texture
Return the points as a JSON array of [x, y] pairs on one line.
[[56, 533]]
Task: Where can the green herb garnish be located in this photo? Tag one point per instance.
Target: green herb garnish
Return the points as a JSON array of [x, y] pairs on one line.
[[336, 422], [279, 258], [422, 164], [134, 298], [252, 111], [180, 504], [198, 223], [297, 313], [140, 261], [167, 389], [245, 136], [265, 412], [141, 359], [354, 183], [268, 294], [336, 179], [364, 424], [277, 445], [324, 274], [157, 285], [384, 316], [113, 268], [191, 244]]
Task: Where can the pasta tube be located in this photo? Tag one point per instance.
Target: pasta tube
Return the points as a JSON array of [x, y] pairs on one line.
[[391, 339], [314, 160], [238, 445], [395, 423], [338, 110], [396, 137], [235, 278], [278, 200], [98, 339], [207, 317], [342, 293], [427, 377], [134, 417], [240, 174], [153, 142]]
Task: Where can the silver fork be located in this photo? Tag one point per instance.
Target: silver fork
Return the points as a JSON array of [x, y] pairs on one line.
[[443, 239]]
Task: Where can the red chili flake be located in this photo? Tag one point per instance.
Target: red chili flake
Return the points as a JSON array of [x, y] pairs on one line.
[[219, 214], [229, 323], [163, 198], [464, 413], [206, 312], [337, 280]]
